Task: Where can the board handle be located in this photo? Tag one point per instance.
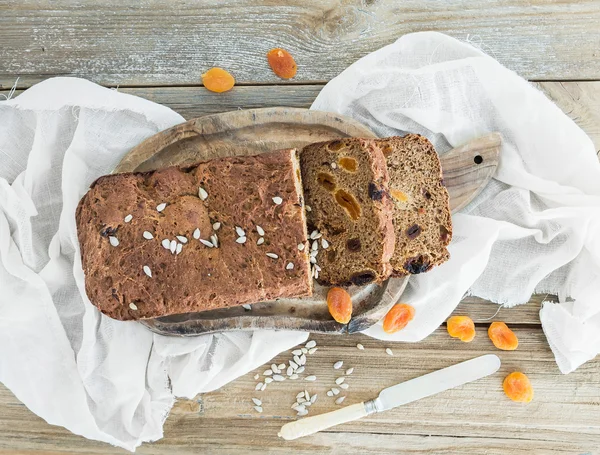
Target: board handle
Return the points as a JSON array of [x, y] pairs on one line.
[[310, 425], [467, 169]]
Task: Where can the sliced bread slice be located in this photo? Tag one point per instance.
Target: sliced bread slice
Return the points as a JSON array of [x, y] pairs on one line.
[[421, 208], [346, 191]]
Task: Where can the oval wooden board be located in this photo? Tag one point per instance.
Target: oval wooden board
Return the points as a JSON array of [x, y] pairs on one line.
[[250, 132]]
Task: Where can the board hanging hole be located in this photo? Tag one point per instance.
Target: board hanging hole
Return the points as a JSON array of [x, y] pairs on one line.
[[478, 159]]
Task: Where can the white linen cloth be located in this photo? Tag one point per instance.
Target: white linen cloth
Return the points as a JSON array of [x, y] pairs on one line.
[[531, 230]]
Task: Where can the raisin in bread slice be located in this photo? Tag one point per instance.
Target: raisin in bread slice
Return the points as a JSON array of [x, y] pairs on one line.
[[346, 188], [421, 208], [178, 240]]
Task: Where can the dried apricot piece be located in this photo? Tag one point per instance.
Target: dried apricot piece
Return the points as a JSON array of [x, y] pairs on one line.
[[517, 387], [502, 337], [218, 80], [282, 63], [339, 304], [461, 327], [397, 318]]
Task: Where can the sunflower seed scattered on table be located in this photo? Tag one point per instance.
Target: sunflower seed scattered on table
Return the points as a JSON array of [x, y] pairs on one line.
[[340, 380], [257, 402], [340, 400], [268, 372], [300, 394], [268, 380], [307, 403], [278, 377], [290, 371], [274, 368], [303, 359], [344, 386], [258, 409], [360, 346], [306, 395], [300, 407], [313, 398], [113, 240], [297, 352], [389, 351], [293, 364], [147, 235], [295, 405], [312, 350], [302, 413], [310, 378], [258, 386], [349, 371], [337, 365], [297, 360], [304, 350], [256, 376], [281, 366], [310, 344], [294, 376], [329, 393], [300, 370], [264, 386], [335, 391]]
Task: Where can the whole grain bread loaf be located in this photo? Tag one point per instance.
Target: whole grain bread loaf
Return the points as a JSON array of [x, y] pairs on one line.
[[422, 218], [349, 211], [217, 234]]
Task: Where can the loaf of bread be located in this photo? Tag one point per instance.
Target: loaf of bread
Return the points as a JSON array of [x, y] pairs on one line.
[[349, 211], [221, 233], [422, 218]]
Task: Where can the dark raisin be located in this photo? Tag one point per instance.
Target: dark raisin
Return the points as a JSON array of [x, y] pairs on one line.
[[114, 295], [413, 231], [108, 231], [375, 192], [362, 278], [426, 193], [416, 265], [353, 245], [444, 233], [336, 146]]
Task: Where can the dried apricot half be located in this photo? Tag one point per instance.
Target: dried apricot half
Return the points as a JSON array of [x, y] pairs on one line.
[[517, 387], [397, 318], [340, 305], [282, 63], [502, 337], [461, 327], [218, 80]]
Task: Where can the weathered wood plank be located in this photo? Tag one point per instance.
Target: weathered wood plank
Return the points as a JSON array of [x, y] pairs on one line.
[[564, 416], [579, 100], [172, 43]]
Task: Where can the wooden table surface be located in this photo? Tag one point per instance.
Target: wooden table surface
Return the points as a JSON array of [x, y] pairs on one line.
[[158, 50]]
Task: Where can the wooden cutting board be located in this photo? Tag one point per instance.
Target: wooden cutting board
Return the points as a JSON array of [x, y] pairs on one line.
[[467, 169]]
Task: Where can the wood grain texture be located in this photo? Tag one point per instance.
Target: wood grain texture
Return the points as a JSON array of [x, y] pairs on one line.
[[171, 43], [477, 418]]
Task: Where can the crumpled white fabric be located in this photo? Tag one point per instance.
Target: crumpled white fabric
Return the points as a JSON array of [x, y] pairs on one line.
[[531, 230], [534, 229], [100, 378]]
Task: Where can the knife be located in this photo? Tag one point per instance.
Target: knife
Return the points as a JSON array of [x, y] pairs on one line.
[[397, 395]]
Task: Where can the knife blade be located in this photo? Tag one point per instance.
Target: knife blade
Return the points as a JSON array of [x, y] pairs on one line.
[[398, 395]]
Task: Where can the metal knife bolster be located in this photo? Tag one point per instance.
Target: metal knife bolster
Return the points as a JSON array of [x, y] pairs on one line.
[[371, 406]]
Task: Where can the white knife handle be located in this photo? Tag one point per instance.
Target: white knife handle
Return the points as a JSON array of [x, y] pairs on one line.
[[311, 425]]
